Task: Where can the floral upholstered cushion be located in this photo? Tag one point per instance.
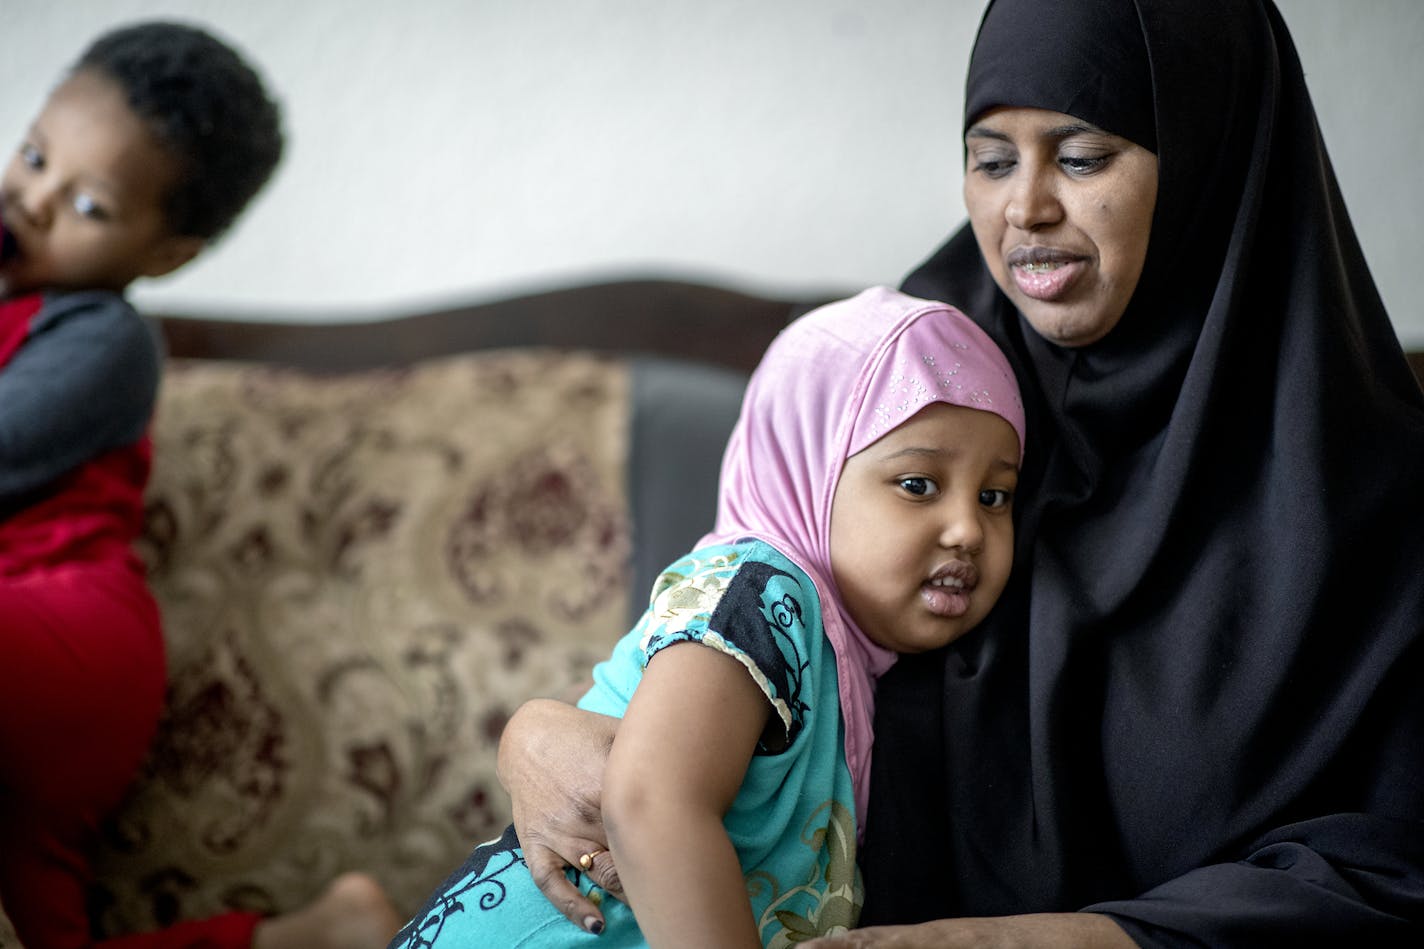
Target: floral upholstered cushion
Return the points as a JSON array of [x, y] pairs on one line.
[[361, 576]]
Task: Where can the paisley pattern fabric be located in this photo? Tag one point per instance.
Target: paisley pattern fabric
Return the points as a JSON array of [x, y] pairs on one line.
[[792, 823], [361, 576]]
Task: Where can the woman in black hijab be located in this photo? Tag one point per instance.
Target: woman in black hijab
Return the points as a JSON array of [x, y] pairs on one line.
[[1198, 711]]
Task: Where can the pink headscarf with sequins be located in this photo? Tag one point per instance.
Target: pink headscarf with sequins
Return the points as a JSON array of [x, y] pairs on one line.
[[831, 384]]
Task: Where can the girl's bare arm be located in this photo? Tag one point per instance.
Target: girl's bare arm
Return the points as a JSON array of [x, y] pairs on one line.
[[679, 758]]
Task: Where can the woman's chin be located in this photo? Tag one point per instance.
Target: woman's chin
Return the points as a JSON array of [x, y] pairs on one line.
[[1067, 325]]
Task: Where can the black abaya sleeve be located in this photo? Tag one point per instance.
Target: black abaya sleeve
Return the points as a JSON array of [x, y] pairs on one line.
[[1347, 880]]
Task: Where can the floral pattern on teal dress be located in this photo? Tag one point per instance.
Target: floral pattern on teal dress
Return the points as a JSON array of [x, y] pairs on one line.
[[793, 821]]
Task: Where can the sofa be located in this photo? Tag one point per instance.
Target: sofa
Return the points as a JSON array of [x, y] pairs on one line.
[[371, 541]]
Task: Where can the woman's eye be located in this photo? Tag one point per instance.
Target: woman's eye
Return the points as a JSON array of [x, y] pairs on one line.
[[919, 487], [995, 498], [990, 158], [1083, 164], [87, 207], [31, 156], [993, 167]]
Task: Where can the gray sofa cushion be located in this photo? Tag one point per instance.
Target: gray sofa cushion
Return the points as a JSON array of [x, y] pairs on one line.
[[682, 414]]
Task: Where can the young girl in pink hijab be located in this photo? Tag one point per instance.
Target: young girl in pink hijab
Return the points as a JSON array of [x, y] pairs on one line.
[[865, 510]]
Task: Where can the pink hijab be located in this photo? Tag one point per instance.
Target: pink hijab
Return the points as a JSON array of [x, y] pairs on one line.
[[831, 384]]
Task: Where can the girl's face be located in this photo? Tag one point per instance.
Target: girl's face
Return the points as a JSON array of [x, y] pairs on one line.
[[83, 195], [921, 528], [1062, 211]]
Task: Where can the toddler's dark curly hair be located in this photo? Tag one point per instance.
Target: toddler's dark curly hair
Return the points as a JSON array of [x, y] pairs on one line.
[[204, 104]]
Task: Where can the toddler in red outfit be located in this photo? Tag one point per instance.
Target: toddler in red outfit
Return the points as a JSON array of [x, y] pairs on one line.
[[146, 151]]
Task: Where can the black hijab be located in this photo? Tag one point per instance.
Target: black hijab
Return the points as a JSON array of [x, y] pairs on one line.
[[1198, 706]]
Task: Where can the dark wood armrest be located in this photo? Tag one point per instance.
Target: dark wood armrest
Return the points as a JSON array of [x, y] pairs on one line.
[[656, 317]]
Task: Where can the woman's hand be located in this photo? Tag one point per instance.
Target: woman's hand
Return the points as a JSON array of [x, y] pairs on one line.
[[1039, 931], [551, 759]]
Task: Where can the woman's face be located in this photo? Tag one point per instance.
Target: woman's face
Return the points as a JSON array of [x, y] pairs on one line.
[[1062, 211]]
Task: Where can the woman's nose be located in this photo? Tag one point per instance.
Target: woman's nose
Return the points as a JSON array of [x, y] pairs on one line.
[[1033, 203]]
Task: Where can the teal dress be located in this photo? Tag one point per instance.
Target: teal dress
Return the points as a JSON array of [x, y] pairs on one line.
[[793, 821]]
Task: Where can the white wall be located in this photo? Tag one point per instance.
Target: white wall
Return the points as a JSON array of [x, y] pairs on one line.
[[442, 150]]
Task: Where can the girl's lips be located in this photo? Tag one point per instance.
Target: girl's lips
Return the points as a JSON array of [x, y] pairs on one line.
[[945, 601], [947, 591]]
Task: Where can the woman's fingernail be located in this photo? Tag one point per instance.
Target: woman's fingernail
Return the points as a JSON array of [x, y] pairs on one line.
[[593, 924]]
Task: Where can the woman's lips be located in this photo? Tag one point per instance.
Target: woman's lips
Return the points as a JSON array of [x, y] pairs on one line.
[[1045, 273]]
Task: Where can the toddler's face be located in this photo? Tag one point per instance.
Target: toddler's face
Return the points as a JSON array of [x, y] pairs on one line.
[[83, 195], [922, 531]]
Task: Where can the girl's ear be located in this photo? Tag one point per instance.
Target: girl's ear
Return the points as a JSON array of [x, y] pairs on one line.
[[171, 253]]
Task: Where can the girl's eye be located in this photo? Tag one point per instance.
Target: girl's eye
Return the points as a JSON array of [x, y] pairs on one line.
[[995, 498], [31, 156], [86, 206], [919, 487]]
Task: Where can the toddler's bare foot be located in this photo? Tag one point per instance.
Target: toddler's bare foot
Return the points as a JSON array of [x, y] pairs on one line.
[[352, 913]]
